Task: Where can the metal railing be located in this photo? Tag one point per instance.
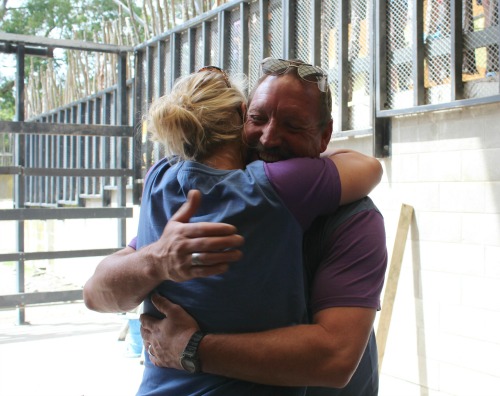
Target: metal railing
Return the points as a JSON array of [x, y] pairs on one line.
[[63, 158]]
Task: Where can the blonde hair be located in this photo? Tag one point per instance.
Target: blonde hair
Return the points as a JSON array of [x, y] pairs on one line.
[[202, 112]]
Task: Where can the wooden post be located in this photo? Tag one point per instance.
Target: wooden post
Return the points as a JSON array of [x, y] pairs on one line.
[[392, 280]]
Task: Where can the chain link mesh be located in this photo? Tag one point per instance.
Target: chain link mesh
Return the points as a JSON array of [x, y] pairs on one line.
[[481, 38], [303, 36], [359, 56], [254, 48], [235, 44], [214, 42], [437, 40], [330, 51], [168, 65], [156, 72], [399, 50], [199, 50], [184, 58], [275, 38]]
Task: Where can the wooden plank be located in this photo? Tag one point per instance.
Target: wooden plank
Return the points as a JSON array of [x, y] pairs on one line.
[[384, 323]]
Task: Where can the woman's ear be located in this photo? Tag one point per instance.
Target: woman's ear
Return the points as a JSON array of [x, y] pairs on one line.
[[244, 111]]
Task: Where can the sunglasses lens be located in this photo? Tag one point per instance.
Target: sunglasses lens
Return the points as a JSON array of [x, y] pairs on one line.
[[274, 66], [310, 73]]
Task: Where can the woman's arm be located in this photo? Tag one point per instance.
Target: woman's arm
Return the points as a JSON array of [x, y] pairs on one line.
[[359, 173]]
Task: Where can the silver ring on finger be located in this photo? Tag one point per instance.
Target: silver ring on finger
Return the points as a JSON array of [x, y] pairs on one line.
[[195, 259], [149, 351]]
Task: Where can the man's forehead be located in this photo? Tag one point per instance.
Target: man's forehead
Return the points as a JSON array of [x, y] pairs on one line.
[[285, 91]]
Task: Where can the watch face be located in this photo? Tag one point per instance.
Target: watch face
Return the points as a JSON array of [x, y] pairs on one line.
[[188, 364]]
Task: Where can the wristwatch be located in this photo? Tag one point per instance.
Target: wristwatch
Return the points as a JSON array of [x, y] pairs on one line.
[[190, 360]]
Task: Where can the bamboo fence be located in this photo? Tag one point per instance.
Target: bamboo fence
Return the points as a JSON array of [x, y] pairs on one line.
[[78, 74]]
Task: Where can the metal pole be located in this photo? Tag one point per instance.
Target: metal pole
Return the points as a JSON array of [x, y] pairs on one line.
[[20, 156]]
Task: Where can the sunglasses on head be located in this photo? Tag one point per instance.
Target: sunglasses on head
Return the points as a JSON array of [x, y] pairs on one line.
[[216, 69], [307, 72]]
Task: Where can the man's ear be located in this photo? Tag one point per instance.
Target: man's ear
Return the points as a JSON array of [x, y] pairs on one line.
[[326, 135]]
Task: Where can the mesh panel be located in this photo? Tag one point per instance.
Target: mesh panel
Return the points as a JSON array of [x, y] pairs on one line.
[[168, 66], [481, 37], [275, 29], [303, 40], [198, 52], [254, 49], [399, 50], [184, 58], [156, 73], [235, 43], [437, 29], [330, 51], [144, 104], [6, 149], [358, 78], [214, 41]]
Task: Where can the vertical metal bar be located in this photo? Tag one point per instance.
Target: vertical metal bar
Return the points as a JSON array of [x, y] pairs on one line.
[[264, 28], [316, 32], [19, 190], [205, 38], [122, 143], [73, 155], [191, 49], [288, 11], [148, 73], [381, 126], [175, 56], [105, 148], [418, 54], [244, 35], [160, 62], [457, 46], [137, 142], [80, 154], [224, 35], [343, 45]]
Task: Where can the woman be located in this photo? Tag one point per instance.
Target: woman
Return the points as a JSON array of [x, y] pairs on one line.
[[200, 124]]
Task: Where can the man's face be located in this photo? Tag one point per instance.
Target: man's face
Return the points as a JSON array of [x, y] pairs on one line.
[[283, 120]]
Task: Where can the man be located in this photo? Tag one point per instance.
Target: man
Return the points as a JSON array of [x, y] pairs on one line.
[[287, 117]]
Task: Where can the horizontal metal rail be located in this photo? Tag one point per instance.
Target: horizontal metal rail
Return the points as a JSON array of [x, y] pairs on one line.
[[80, 45], [20, 170], [30, 256], [64, 213], [43, 128], [23, 299]]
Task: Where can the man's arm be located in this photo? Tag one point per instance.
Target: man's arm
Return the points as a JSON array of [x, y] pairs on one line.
[[123, 280], [325, 353]]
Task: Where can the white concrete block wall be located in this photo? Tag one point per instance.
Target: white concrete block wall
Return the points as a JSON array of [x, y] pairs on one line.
[[444, 338]]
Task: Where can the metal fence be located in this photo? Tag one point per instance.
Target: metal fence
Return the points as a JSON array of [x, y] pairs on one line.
[[383, 58], [61, 159], [436, 54]]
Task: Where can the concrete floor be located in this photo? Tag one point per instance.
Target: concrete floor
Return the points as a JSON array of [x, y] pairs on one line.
[[66, 350]]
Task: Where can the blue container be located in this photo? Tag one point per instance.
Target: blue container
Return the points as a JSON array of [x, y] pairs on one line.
[[135, 343]]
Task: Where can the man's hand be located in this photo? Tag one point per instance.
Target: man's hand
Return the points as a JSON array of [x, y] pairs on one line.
[[168, 337], [216, 244]]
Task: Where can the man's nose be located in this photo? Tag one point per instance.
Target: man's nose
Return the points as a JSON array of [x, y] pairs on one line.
[[271, 135]]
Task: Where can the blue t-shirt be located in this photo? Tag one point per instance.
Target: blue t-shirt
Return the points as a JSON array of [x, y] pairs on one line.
[[271, 207]]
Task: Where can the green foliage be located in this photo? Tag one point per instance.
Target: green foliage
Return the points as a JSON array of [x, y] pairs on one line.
[[7, 101], [80, 19], [59, 18]]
